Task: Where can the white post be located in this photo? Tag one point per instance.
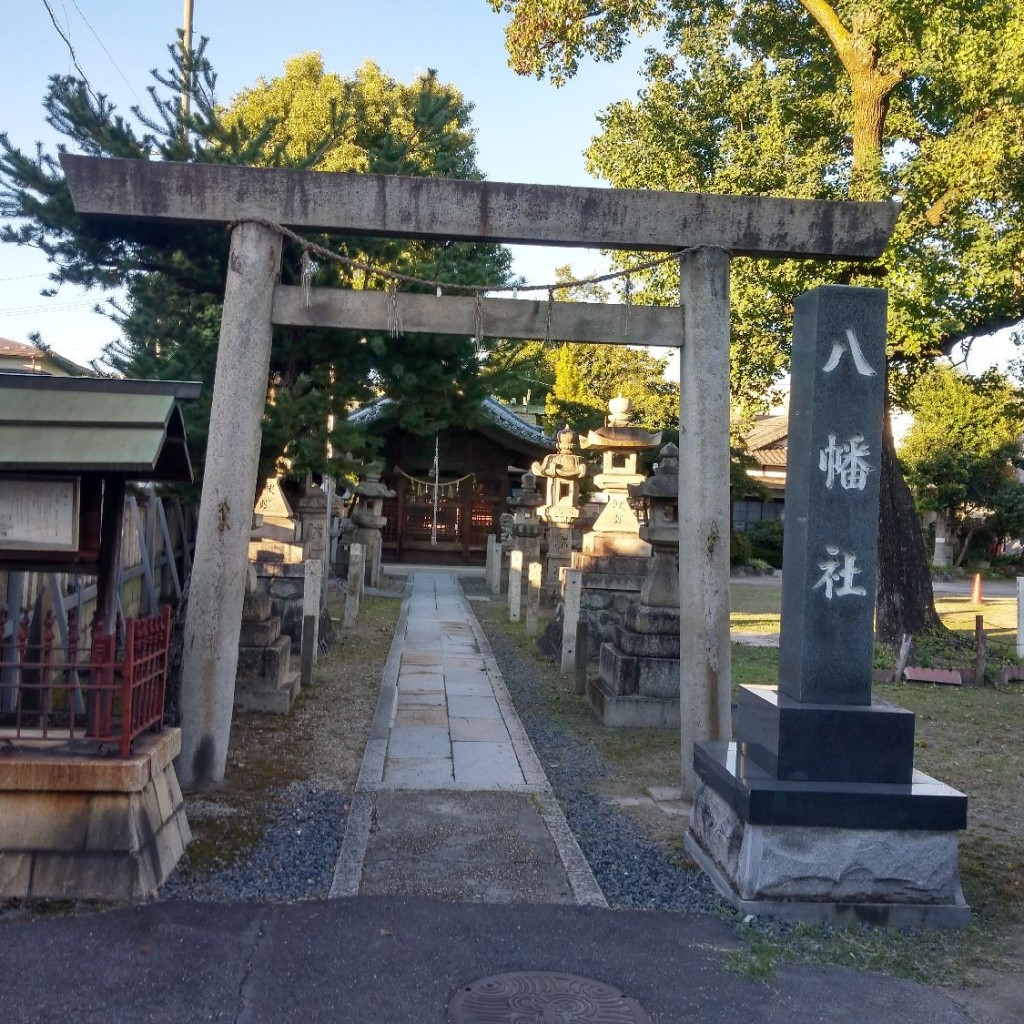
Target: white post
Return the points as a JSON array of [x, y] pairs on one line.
[[534, 573], [515, 585], [704, 652], [355, 583], [214, 617], [310, 636], [1020, 616], [572, 596]]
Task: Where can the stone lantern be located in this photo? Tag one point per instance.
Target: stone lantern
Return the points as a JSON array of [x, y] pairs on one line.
[[369, 521], [563, 472], [638, 680], [617, 529], [526, 524], [659, 495]]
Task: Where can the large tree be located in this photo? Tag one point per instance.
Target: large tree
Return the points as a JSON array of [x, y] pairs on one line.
[[866, 99], [172, 286], [962, 452]]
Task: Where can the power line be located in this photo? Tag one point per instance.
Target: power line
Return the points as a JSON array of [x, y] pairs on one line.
[[50, 307], [71, 49], [105, 50]]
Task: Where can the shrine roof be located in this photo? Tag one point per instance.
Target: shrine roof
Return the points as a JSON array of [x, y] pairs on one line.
[[94, 424], [513, 429]]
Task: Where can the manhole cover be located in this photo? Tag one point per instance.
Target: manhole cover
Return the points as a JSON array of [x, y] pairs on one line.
[[543, 997]]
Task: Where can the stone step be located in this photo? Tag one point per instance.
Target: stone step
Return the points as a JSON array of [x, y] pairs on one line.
[[254, 696], [264, 664], [260, 634]]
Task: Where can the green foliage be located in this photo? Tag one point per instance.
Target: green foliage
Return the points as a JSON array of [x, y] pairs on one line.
[[740, 549], [766, 541], [960, 453], [880, 99], [576, 381], [170, 319]]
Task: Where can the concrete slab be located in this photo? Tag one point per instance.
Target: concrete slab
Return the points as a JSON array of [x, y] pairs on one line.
[[419, 742], [473, 707], [418, 772], [421, 698], [463, 846], [419, 716], [486, 765], [476, 730]]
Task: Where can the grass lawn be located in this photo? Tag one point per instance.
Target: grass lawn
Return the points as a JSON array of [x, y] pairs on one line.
[[967, 737]]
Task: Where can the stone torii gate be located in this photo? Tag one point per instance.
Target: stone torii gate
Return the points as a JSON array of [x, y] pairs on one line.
[[710, 228]]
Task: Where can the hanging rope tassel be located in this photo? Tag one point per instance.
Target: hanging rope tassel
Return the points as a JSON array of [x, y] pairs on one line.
[[394, 314], [437, 484], [306, 268], [478, 323]]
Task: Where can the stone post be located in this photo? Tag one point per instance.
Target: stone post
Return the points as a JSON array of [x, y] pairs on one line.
[[214, 618], [515, 585], [705, 667], [1020, 616], [533, 598], [311, 595], [493, 571], [355, 583], [571, 598]]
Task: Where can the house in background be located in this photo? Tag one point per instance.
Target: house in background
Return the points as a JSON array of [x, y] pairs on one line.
[[23, 357], [475, 471], [766, 445]]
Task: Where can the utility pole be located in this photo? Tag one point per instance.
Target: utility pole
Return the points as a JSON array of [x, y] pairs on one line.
[[186, 45]]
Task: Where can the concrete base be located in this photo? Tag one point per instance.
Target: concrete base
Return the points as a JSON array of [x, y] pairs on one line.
[[632, 711], [276, 696], [98, 828], [890, 877]]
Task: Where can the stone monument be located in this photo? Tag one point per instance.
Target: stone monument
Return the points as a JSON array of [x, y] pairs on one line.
[[816, 811], [638, 683], [563, 472], [370, 495]]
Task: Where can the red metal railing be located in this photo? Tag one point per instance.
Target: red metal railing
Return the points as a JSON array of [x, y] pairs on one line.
[[52, 694]]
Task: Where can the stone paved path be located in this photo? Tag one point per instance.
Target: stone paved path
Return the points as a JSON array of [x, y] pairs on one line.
[[451, 728], [451, 799]]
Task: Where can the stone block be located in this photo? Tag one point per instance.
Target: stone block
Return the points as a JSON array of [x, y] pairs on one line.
[[260, 695], [647, 645], [111, 828], [15, 874], [286, 589], [265, 663], [255, 607], [634, 711], [260, 634], [879, 875], [826, 742], [618, 671], [642, 618], [33, 821]]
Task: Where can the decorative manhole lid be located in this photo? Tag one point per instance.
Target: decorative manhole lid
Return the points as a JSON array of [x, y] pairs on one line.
[[543, 997]]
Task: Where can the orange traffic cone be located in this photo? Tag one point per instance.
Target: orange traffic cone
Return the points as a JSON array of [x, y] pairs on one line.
[[976, 590]]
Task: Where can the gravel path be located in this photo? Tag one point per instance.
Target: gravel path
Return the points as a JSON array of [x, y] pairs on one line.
[[293, 859], [632, 870], [295, 853]]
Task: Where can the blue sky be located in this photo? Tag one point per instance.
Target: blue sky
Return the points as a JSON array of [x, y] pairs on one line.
[[526, 130]]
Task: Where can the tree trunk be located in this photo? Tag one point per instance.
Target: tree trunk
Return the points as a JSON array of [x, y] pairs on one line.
[[905, 603]]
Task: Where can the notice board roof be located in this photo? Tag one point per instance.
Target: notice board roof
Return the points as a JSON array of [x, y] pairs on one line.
[[94, 424]]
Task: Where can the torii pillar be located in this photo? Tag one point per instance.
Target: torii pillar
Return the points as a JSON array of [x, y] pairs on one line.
[[213, 620], [712, 228]]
